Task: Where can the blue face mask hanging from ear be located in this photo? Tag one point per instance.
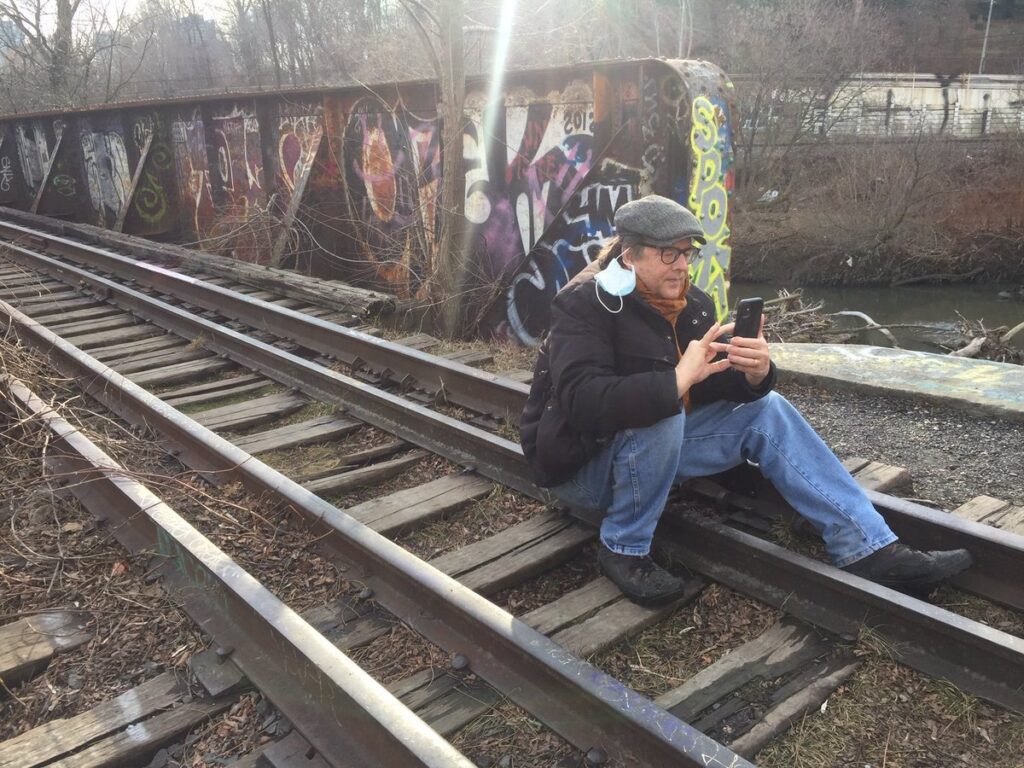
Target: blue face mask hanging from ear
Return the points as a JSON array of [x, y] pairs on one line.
[[616, 280]]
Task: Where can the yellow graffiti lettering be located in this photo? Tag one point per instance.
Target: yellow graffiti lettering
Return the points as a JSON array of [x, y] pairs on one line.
[[709, 201]]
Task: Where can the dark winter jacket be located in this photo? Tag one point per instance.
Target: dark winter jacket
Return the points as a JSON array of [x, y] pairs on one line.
[[598, 373]]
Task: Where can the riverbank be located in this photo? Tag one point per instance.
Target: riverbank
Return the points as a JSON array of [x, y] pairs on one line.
[[924, 210]]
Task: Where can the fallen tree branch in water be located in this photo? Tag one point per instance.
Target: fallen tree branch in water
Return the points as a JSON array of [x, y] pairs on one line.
[[971, 350]]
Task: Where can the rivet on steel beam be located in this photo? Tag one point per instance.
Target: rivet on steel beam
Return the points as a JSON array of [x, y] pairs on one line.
[[223, 653], [596, 756], [460, 662]]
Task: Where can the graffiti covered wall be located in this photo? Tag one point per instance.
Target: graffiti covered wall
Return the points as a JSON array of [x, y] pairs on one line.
[[350, 178]]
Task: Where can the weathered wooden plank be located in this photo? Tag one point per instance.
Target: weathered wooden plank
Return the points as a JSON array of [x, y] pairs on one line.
[[140, 740], [419, 505], [109, 323], [131, 348], [981, 509], [103, 338], [421, 341], [250, 413], [1013, 521], [12, 293], [804, 695], [354, 459], [573, 606], [17, 279], [476, 358], [855, 464], [181, 372], [618, 620], [161, 359], [518, 374], [523, 534], [93, 313], [781, 649], [61, 294], [65, 735], [445, 702], [214, 386], [294, 435], [27, 645], [61, 306], [214, 396], [883, 477], [355, 478], [539, 556]]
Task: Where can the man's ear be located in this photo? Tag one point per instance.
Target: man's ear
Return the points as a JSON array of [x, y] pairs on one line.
[[627, 256]]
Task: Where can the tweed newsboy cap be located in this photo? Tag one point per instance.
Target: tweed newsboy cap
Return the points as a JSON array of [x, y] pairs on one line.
[[656, 220]]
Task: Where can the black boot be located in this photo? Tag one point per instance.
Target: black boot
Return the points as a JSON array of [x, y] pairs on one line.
[[910, 570], [641, 579]]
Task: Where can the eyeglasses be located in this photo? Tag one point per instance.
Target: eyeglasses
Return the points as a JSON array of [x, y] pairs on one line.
[[672, 255]]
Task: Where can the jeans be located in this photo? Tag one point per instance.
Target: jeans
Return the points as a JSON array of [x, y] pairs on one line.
[[631, 478]]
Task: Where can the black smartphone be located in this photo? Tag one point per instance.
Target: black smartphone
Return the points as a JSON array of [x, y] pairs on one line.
[[748, 317]]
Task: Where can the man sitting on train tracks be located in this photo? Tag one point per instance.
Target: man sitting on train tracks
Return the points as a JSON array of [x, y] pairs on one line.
[[636, 388]]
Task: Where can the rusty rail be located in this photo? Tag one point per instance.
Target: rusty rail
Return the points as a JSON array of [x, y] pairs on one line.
[[347, 715], [575, 699], [457, 383], [950, 639]]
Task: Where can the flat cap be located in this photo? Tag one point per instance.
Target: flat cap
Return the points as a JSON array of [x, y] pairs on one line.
[[656, 220]]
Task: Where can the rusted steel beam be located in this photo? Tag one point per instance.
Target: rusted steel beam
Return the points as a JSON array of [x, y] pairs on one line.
[[585, 706], [349, 717]]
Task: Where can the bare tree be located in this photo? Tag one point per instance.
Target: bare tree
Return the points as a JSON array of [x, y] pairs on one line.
[[440, 29]]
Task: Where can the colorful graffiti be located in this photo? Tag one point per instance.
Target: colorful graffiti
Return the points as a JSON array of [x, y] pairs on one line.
[[107, 172], [6, 174], [573, 241], [518, 183], [392, 172], [193, 172], [152, 204], [34, 153], [561, 151], [711, 180], [297, 140], [239, 161]]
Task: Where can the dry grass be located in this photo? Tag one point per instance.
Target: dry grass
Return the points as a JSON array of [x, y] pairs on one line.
[[889, 715]]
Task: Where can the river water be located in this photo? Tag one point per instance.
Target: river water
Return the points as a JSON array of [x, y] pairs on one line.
[[934, 307]]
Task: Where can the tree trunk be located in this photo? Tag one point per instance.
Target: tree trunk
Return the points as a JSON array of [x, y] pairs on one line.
[[273, 42], [450, 272]]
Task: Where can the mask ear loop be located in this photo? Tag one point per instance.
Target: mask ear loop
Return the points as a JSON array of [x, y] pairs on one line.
[[597, 292]]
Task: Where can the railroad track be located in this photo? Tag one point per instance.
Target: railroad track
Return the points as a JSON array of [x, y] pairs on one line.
[[269, 358]]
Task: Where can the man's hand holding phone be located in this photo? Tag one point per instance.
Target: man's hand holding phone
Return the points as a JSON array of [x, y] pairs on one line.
[[748, 353]]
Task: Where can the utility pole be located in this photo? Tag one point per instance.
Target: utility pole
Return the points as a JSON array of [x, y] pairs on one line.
[[984, 44]]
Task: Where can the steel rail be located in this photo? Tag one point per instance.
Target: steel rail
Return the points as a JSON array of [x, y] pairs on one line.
[[977, 658], [348, 716], [575, 699], [989, 572], [997, 553], [492, 456], [998, 571], [458, 383]]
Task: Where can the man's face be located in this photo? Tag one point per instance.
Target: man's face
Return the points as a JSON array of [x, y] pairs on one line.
[[665, 280]]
